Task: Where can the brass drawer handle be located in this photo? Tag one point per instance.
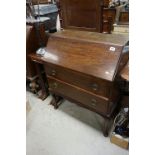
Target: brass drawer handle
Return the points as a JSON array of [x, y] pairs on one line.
[[93, 102], [53, 85], [53, 72], [95, 86]]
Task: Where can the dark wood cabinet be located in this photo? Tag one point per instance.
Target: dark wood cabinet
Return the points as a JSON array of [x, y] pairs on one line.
[[82, 67], [106, 3], [82, 14], [124, 17], [34, 71], [109, 12], [108, 19], [31, 46]]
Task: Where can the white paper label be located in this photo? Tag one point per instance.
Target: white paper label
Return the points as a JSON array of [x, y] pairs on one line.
[[112, 49]]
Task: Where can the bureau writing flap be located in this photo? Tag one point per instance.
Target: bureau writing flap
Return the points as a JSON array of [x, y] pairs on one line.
[[94, 57]]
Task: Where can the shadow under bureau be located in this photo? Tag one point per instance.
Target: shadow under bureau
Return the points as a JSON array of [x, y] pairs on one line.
[[82, 67]]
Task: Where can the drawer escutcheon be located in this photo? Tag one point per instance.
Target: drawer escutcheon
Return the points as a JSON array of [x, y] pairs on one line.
[[93, 102], [94, 86], [53, 72]]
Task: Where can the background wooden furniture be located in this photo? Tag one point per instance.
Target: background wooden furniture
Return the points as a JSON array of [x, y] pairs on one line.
[[59, 11], [82, 67], [108, 19], [34, 70], [89, 15], [106, 3], [82, 14], [124, 17], [31, 46]]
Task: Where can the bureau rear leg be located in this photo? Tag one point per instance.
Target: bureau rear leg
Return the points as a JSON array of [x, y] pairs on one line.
[[106, 126], [43, 93], [56, 101]]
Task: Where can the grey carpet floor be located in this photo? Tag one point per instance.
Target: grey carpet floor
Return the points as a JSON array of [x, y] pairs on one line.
[[69, 130]]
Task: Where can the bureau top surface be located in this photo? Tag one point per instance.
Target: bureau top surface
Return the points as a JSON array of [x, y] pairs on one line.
[[91, 58], [115, 39]]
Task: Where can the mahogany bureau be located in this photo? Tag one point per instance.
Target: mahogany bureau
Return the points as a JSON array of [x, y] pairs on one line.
[[82, 67]]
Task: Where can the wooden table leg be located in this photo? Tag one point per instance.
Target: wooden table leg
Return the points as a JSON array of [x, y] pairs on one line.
[[44, 92], [107, 126], [56, 101]]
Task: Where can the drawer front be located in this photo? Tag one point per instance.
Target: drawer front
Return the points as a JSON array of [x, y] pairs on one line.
[[94, 85], [96, 102]]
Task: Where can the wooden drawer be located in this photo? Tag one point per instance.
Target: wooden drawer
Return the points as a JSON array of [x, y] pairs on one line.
[[92, 84], [92, 101]]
